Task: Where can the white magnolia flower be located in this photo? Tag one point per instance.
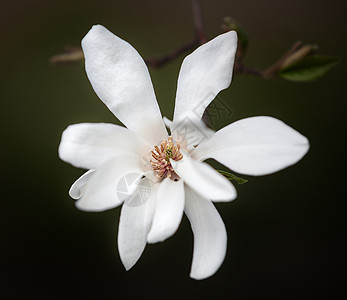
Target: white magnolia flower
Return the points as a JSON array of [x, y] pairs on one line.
[[180, 181]]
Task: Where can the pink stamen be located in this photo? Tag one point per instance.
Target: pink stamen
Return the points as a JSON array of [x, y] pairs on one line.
[[161, 158]]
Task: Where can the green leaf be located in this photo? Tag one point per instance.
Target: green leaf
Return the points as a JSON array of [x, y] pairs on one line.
[[310, 68], [232, 177]]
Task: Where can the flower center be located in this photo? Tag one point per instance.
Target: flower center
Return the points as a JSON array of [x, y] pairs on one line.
[[161, 155]]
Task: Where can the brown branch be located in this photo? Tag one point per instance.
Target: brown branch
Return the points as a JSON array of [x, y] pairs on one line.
[[240, 68], [198, 23], [271, 72], [200, 38], [71, 55], [159, 61], [75, 54], [274, 68]]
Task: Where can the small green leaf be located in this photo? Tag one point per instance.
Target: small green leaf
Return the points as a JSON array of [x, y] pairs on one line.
[[232, 177], [299, 55], [310, 68]]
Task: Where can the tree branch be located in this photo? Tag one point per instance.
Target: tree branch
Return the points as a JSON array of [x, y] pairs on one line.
[[271, 71], [156, 62], [274, 68], [198, 23], [75, 54]]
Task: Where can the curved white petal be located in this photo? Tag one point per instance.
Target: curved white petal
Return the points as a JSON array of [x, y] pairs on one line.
[[204, 73], [190, 131], [100, 192], [254, 146], [168, 210], [88, 145], [134, 225], [204, 179], [167, 122], [77, 189], [121, 79], [210, 237]]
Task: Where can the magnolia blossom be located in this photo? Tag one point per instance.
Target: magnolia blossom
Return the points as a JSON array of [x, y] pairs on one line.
[[180, 180]]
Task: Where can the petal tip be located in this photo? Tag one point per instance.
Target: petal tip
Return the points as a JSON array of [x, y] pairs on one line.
[[84, 205], [128, 263], [66, 137], [154, 238], [75, 193], [97, 27], [231, 34], [80, 206], [207, 273], [197, 276], [127, 267], [93, 33], [233, 196]]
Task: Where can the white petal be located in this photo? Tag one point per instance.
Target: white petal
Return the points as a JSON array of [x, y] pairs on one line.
[[78, 187], [167, 122], [134, 225], [100, 193], [210, 237], [88, 145], [168, 210], [121, 79], [190, 131], [204, 73], [255, 146], [204, 179]]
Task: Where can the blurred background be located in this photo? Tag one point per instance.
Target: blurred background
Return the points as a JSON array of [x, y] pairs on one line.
[[285, 230]]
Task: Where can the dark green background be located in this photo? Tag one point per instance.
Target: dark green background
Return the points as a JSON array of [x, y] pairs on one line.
[[285, 230]]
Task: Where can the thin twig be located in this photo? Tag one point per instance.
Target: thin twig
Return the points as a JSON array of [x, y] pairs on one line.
[[75, 54], [198, 23], [271, 71], [159, 61], [71, 55], [200, 38], [240, 68], [274, 68]]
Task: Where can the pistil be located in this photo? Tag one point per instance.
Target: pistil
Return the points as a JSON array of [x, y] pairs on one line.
[[161, 158]]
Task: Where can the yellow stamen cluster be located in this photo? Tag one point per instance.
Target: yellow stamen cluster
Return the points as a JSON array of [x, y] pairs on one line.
[[161, 158]]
